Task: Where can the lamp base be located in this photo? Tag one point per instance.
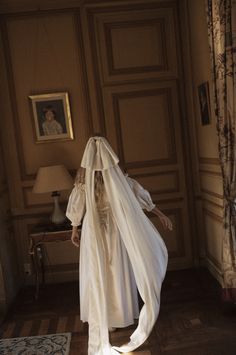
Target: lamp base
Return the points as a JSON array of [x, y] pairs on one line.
[[58, 216]]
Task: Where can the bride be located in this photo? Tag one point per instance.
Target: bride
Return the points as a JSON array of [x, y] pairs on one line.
[[120, 249]]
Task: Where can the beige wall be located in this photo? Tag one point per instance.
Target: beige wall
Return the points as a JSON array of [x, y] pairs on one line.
[[40, 54], [209, 203]]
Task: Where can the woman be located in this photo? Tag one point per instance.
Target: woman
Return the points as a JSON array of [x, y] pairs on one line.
[[50, 125], [120, 249]]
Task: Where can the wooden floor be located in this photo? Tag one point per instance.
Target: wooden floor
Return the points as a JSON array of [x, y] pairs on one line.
[[192, 320]]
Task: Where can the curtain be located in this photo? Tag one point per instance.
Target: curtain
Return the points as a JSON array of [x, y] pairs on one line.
[[221, 17]]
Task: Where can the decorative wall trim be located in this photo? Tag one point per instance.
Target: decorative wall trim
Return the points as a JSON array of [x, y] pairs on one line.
[[210, 172], [91, 14], [28, 205], [108, 27], [12, 91], [215, 271], [212, 259], [81, 52], [213, 215], [26, 7], [212, 161], [205, 199], [95, 61], [116, 98], [22, 214], [211, 193], [218, 219], [178, 212], [170, 200], [174, 173]]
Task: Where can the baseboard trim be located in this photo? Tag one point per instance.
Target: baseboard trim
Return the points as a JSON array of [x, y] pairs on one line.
[[214, 270]]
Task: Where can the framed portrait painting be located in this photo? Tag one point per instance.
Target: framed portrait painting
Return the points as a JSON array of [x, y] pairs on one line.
[[204, 101], [51, 117]]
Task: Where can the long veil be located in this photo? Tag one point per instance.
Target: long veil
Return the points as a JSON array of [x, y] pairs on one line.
[[145, 247]]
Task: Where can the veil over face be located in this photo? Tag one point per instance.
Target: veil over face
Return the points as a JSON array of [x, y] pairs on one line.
[[145, 248]]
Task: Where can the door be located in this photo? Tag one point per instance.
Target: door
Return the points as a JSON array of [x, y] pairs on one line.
[[136, 74]]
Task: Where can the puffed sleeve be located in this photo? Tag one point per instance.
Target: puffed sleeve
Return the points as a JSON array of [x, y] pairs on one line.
[[76, 205], [142, 195]]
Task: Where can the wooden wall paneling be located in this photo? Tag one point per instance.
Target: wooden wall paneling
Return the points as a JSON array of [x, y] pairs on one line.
[[189, 128], [122, 85], [178, 242], [142, 120], [61, 68], [90, 41], [213, 226], [214, 230], [186, 92], [95, 107], [210, 176], [213, 207], [90, 18], [128, 110], [81, 118], [209, 160], [12, 92], [60, 75], [9, 278], [174, 241], [32, 200], [124, 35], [83, 72], [212, 186], [8, 136], [213, 169], [59, 257], [159, 182]]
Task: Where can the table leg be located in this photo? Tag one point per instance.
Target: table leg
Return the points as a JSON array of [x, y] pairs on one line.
[[41, 258], [37, 271]]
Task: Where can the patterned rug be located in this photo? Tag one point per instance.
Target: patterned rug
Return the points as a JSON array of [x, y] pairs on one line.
[[56, 344]]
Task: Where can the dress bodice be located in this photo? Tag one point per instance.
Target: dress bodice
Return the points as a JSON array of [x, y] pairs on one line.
[[103, 206]]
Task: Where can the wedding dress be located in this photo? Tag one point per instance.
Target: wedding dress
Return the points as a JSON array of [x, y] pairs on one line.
[[120, 250]]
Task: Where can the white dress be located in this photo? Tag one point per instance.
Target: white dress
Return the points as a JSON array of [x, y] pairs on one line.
[[122, 299]]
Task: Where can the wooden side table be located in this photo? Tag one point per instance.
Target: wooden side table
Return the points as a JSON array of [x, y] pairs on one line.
[[38, 238]]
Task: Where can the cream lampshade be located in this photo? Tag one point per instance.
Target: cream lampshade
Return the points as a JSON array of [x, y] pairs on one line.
[[53, 179]]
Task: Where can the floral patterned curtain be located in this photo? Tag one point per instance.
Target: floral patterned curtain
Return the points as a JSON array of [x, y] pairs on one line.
[[221, 16]]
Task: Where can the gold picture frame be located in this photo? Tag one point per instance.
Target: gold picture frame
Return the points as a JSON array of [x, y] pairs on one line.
[[52, 117]]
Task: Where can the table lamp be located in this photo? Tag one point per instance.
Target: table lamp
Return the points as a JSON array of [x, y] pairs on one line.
[[53, 179]]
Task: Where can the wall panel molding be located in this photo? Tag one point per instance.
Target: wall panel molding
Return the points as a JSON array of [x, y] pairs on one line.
[[179, 228], [159, 16], [210, 172], [81, 62], [116, 99], [212, 161], [172, 173], [219, 220], [158, 24]]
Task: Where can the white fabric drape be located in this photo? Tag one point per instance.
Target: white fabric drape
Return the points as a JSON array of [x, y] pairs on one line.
[[145, 248]]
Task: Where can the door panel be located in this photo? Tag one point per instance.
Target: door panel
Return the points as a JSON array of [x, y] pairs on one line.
[[136, 67]]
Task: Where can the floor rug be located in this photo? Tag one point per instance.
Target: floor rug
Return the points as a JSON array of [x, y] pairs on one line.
[[53, 344]]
